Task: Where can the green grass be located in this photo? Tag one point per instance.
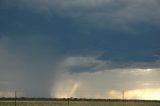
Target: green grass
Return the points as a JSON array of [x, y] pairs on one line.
[[76, 103]]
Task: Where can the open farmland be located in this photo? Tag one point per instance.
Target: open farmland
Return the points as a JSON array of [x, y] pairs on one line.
[[77, 103]]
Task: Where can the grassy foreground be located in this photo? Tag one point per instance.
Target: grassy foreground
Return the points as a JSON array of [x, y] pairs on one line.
[[77, 103]]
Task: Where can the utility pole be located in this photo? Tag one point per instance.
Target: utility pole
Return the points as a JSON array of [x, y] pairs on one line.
[[15, 98], [123, 94], [68, 101], [123, 97]]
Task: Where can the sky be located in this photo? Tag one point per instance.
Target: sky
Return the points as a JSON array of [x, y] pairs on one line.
[[80, 48]]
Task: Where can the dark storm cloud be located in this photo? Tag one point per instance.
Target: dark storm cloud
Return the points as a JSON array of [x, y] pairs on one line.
[[42, 38], [113, 11], [66, 35]]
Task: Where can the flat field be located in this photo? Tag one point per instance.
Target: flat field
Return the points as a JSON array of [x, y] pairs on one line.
[[76, 103]]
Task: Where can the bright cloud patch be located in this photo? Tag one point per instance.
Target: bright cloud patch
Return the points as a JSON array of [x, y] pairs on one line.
[[79, 64]]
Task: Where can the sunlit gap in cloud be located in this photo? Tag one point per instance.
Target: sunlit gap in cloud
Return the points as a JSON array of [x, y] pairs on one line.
[[144, 94], [140, 94]]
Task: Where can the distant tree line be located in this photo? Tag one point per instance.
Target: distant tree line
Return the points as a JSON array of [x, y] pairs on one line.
[[76, 99]]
